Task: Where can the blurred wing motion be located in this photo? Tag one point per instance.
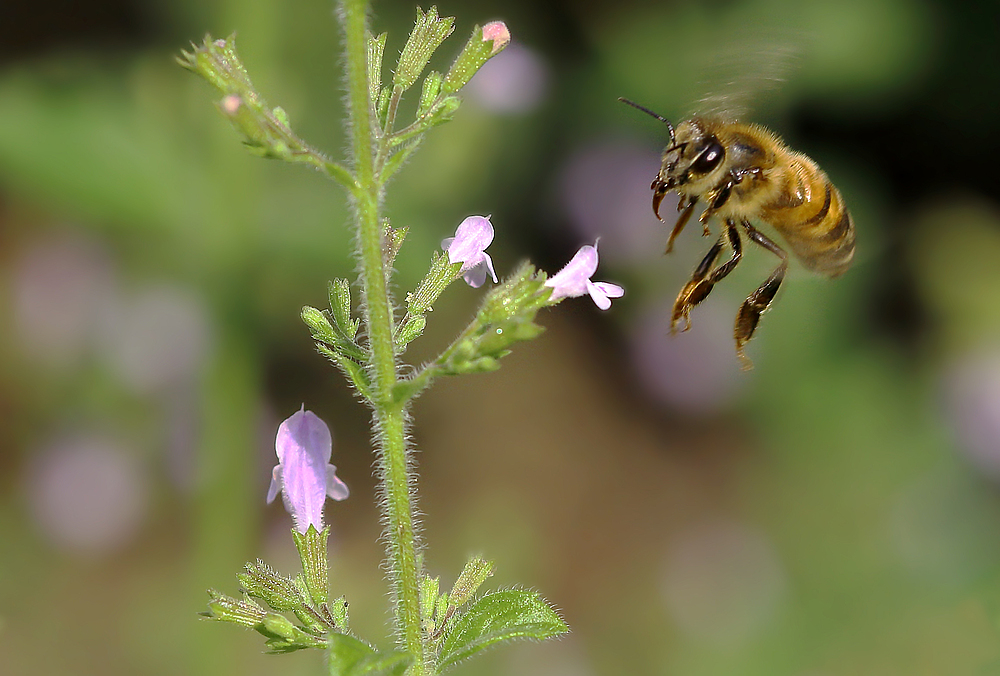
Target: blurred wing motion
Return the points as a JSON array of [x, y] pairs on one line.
[[743, 173], [742, 74]]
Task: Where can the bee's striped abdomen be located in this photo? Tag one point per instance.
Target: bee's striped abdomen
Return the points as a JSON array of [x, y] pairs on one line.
[[811, 216]]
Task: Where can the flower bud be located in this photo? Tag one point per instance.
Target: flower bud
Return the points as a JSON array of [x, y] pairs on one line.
[[486, 41], [498, 33]]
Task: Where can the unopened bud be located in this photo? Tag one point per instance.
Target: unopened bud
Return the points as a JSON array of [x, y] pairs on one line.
[[230, 104], [498, 32], [485, 43]]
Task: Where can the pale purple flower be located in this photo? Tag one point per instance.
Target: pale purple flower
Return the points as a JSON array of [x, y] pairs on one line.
[[304, 474], [468, 247], [574, 280]]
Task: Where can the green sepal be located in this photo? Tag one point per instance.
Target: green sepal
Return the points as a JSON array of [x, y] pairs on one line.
[[468, 583], [339, 291], [279, 592], [443, 111], [495, 618], [225, 608], [430, 588], [311, 546], [376, 47], [429, 92], [337, 611], [382, 107], [313, 619], [284, 637], [392, 241], [323, 331], [429, 31], [467, 365], [476, 52], [318, 324], [411, 330], [347, 656]]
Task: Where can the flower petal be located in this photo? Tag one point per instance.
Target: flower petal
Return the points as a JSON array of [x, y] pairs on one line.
[[276, 484], [489, 266], [600, 298], [476, 275], [472, 237], [304, 445], [335, 488], [610, 290], [572, 280]]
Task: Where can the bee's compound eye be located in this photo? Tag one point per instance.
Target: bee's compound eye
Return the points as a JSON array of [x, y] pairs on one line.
[[709, 158]]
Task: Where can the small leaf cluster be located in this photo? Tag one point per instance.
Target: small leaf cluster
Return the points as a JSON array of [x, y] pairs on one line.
[[507, 316], [438, 93], [305, 596], [335, 333], [457, 627], [266, 131]]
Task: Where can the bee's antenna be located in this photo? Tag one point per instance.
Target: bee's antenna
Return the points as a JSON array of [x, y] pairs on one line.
[[659, 117]]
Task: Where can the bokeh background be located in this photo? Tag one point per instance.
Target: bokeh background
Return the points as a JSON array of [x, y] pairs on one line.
[[833, 512]]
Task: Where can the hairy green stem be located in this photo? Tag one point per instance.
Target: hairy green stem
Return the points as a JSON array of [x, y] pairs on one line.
[[389, 416]]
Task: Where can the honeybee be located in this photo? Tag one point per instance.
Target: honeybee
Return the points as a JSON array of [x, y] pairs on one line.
[[744, 172]]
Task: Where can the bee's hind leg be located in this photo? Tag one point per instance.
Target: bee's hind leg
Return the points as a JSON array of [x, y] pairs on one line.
[[749, 314], [704, 277]]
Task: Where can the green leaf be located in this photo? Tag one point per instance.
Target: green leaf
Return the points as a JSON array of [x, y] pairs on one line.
[[350, 657], [501, 616]]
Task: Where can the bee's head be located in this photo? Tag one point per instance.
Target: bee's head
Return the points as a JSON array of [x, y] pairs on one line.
[[689, 161], [690, 157]]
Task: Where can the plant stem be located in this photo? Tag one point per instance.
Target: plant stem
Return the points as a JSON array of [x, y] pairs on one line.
[[390, 423]]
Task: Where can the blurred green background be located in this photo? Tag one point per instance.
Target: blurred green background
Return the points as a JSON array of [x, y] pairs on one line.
[[832, 512]]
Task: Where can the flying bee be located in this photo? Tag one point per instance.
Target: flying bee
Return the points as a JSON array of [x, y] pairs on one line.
[[744, 172]]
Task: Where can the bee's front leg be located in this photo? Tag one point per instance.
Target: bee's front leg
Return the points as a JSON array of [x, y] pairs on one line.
[[704, 277], [682, 220], [718, 196]]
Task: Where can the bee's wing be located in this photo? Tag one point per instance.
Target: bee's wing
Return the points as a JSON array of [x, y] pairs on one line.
[[745, 71]]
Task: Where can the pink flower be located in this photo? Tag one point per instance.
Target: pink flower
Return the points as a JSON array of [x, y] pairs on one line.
[[468, 247], [303, 474], [498, 33], [574, 280]]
